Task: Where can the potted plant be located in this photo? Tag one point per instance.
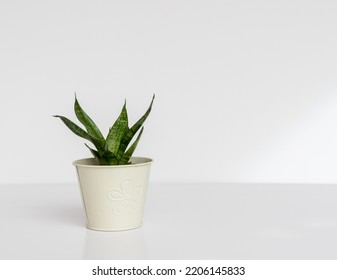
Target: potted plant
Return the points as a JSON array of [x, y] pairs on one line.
[[113, 184]]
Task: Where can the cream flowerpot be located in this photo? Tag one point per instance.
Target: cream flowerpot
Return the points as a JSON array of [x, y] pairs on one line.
[[113, 195]]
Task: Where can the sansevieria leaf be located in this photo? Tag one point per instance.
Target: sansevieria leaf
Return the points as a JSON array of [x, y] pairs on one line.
[[74, 127], [94, 152], [81, 132], [88, 123], [129, 134], [108, 158], [126, 157], [117, 132]]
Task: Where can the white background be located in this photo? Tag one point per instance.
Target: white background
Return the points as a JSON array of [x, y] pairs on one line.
[[246, 91]]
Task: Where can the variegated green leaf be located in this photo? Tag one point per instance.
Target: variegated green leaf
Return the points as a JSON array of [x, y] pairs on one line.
[[88, 123], [129, 134], [116, 133], [126, 157], [94, 152], [81, 132], [108, 161], [74, 127], [108, 158]]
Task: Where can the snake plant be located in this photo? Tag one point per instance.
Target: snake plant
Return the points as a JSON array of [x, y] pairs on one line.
[[115, 148]]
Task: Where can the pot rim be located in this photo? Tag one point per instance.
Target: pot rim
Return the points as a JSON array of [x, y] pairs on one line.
[[92, 163]]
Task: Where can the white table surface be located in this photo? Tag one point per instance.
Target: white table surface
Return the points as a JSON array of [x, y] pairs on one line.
[[182, 221]]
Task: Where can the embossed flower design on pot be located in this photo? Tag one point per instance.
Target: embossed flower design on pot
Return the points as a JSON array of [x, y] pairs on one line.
[[126, 198]]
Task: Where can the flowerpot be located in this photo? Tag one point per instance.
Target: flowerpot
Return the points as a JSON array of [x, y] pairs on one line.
[[113, 195]]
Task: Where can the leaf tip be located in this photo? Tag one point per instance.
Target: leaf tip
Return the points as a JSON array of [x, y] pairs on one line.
[[153, 97]]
